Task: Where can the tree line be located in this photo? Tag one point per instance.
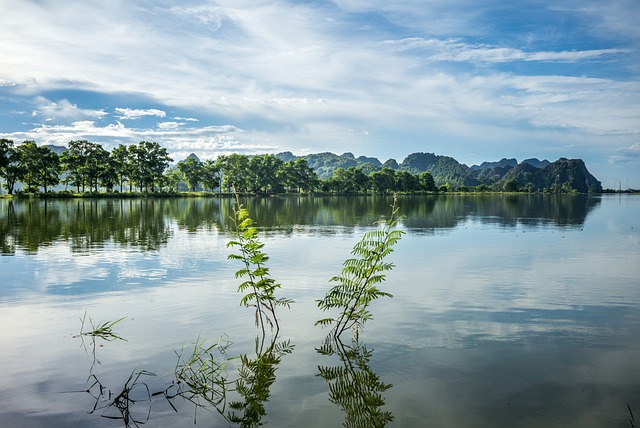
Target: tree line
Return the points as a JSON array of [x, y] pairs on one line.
[[85, 166]]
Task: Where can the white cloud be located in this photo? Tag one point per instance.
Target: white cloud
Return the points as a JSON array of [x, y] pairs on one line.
[[63, 109], [170, 125], [128, 113], [456, 50], [300, 75]]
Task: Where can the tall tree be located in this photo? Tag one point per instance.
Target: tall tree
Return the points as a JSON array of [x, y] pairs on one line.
[[149, 161], [191, 169], [120, 160], [427, 182], [28, 159], [210, 174], [49, 167], [383, 180], [10, 165], [263, 171], [235, 171], [84, 162]]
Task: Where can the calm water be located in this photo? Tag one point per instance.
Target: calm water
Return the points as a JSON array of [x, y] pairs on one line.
[[507, 312]]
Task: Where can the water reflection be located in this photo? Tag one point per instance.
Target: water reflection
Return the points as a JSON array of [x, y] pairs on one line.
[[353, 385], [145, 224], [203, 377]]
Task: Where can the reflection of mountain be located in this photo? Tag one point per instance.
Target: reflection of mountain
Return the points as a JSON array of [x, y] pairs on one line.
[[506, 210], [87, 224]]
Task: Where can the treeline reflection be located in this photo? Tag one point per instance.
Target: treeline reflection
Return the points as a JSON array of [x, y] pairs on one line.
[[148, 223]]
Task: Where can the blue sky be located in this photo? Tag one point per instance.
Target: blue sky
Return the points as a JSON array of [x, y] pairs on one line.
[[473, 79]]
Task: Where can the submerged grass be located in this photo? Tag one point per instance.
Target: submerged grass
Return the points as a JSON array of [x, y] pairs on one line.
[[103, 331]]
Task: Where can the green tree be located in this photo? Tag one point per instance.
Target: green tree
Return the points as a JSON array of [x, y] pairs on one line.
[[264, 173], [30, 171], [120, 161], [383, 181], [191, 169], [7, 155], [173, 178], [49, 167], [235, 171], [210, 175], [14, 168], [427, 182], [297, 176], [84, 162], [510, 186], [407, 182], [149, 161]]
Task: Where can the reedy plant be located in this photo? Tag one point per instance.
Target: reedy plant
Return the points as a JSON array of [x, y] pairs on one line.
[[259, 287], [361, 275]]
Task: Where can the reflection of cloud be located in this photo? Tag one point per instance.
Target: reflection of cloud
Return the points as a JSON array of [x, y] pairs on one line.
[[61, 267]]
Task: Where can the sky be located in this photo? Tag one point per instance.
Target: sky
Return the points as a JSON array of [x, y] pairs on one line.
[[478, 80]]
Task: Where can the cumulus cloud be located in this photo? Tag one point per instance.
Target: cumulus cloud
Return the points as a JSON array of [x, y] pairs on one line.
[[129, 113]]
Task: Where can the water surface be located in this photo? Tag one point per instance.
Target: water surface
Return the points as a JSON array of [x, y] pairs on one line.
[[507, 310]]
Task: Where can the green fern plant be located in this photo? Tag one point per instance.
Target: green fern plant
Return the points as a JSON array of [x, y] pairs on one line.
[[259, 287], [360, 277]]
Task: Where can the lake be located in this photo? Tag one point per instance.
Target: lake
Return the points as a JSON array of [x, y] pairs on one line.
[[508, 311]]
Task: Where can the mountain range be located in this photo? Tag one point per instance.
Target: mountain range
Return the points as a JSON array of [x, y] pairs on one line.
[[534, 174]]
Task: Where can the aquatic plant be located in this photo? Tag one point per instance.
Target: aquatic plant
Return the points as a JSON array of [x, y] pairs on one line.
[[360, 277], [259, 287], [201, 374], [102, 331]]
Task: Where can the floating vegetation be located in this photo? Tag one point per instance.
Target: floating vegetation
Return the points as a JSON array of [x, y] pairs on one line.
[[201, 375], [102, 331]]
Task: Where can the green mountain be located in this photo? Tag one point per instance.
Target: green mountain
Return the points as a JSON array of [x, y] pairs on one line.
[[530, 173], [564, 174]]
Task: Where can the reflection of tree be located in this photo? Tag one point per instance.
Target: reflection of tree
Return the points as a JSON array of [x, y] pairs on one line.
[[353, 385], [202, 378], [145, 222], [255, 377]]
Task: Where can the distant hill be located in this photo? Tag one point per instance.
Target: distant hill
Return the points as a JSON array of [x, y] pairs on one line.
[[504, 162], [56, 149], [531, 173], [570, 173]]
